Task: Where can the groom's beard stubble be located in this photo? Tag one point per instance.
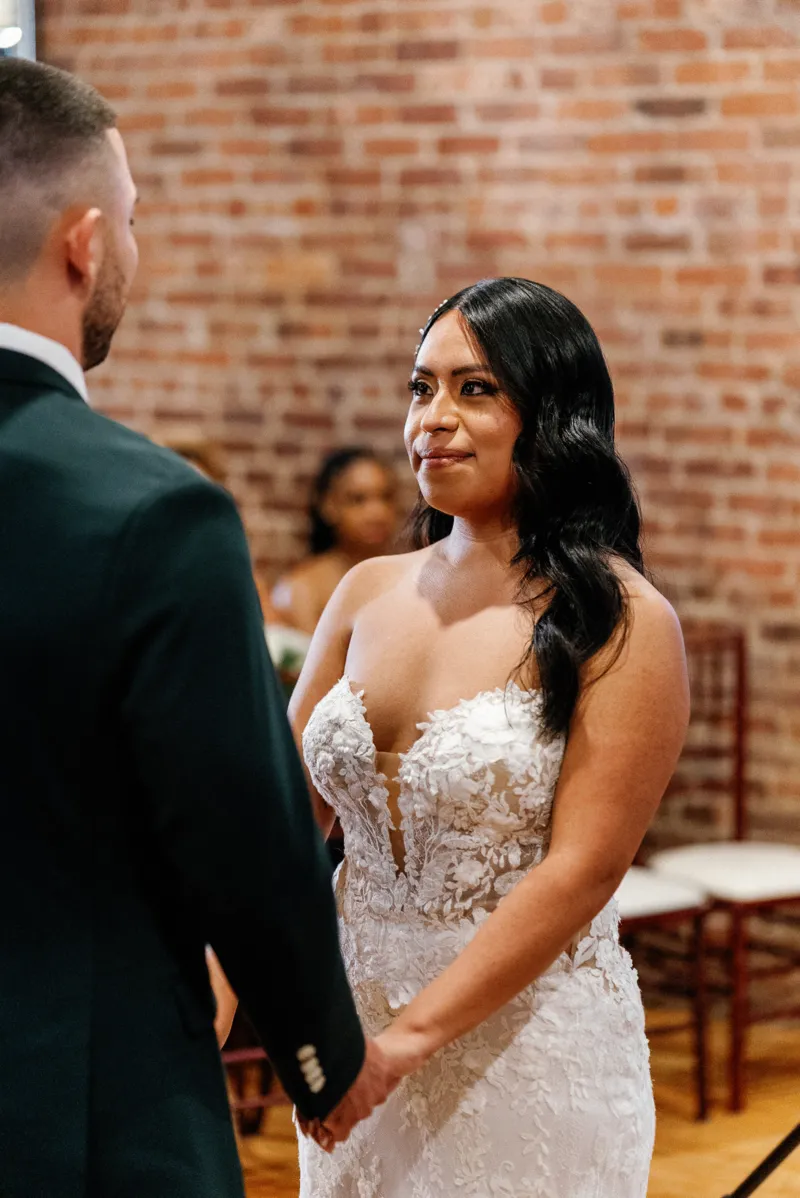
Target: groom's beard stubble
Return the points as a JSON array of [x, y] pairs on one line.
[[104, 312]]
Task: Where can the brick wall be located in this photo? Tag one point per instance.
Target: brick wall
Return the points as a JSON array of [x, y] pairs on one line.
[[316, 175]]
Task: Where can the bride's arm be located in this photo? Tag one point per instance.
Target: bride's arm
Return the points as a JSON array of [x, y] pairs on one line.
[[624, 742], [226, 1000], [322, 669]]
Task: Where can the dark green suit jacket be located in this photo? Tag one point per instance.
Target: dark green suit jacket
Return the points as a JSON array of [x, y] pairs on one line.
[[151, 802]]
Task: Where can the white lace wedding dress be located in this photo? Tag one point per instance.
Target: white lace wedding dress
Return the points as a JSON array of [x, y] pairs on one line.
[[551, 1096]]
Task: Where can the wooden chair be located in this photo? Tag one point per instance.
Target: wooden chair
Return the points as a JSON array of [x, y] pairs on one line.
[[743, 877], [650, 902], [252, 1085]]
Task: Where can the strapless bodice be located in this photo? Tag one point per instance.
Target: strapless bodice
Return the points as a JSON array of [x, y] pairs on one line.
[[475, 796]]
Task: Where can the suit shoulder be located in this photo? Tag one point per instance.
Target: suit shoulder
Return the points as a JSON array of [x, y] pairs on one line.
[[128, 468]]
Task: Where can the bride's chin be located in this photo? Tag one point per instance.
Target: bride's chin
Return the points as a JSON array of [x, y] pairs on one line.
[[446, 499]]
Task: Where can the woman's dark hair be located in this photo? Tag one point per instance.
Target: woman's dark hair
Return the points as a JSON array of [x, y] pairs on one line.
[[322, 536], [575, 505]]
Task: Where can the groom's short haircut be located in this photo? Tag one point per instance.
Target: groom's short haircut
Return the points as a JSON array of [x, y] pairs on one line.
[[53, 138]]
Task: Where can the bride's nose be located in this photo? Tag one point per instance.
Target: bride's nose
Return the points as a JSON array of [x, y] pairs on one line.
[[441, 413]]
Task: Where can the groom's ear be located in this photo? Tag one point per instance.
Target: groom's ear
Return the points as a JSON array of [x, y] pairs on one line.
[[84, 249]]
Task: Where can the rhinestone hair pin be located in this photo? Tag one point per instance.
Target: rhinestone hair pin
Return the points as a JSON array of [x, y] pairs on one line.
[[438, 308]]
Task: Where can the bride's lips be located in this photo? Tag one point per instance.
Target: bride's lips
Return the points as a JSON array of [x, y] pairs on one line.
[[437, 458]]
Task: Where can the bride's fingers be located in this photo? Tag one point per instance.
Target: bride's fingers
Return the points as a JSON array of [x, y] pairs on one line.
[[325, 1138], [342, 1121]]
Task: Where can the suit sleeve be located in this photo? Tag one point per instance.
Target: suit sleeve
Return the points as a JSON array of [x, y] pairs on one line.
[[204, 719]]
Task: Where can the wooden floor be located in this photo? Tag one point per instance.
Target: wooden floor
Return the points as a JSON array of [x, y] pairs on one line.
[[691, 1160]]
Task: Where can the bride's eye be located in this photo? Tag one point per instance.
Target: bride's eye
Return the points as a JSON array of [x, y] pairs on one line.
[[418, 387], [478, 387]]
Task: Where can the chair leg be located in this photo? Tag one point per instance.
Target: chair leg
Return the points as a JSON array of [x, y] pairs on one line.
[[701, 1016], [738, 1014]]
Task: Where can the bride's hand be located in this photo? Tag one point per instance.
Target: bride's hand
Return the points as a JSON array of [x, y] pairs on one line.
[[405, 1051]]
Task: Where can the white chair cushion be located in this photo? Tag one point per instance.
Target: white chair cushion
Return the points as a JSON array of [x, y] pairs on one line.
[[643, 892], [736, 870]]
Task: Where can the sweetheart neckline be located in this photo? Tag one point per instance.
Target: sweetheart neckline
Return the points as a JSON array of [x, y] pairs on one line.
[[357, 696], [531, 694]]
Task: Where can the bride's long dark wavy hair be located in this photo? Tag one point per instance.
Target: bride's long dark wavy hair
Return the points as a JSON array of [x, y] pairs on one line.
[[575, 505]]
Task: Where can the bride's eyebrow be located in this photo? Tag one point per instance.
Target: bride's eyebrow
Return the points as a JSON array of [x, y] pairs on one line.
[[474, 368]]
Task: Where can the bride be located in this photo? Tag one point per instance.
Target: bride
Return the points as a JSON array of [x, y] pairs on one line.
[[494, 719]]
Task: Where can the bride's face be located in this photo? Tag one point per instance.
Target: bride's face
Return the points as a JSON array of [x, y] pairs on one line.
[[461, 428]]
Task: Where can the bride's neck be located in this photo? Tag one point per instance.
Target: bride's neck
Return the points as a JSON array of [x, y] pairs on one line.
[[471, 540]]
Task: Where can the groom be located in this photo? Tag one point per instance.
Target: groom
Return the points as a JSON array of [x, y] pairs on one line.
[[151, 798]]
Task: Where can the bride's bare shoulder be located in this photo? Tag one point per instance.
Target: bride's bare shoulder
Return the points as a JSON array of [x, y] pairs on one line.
[[364, 584], [377, 575]]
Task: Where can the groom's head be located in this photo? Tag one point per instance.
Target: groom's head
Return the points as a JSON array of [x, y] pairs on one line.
[[67, 251]]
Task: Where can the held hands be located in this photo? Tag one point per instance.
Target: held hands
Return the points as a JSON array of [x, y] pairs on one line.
[[390, 1058]]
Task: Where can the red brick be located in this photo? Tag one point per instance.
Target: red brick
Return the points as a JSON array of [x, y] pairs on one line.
[[212, 117], [374, 114], [495, 239], [700, 71], [555, 242], [249, 147], [335, 52], [639, 141], [661, 172], [749, 372], [713, 276], [384, 83], [753, 173], [428, 114], [712, 140], [319, 147], [429, 176], [505, 48], [427, 51], [468, 145], [505, 112], [558, 79], [175, 149], [172, 89], [280, 116], [344, 176], [665, 41], [784, 276], [758, 37], [635, 74], [760, 104], [388, 146], [588, 44], [782, 70], [665, 205], [781, 137], [657, 243], [591, 110], [316, 24], [671, 107], [624, 277], [257, 85], [142, 122]]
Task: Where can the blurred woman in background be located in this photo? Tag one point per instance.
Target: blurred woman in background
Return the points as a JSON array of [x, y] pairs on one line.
[[353, 517]]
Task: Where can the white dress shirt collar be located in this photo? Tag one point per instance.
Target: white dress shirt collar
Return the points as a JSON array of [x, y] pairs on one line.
[[52, 353]]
